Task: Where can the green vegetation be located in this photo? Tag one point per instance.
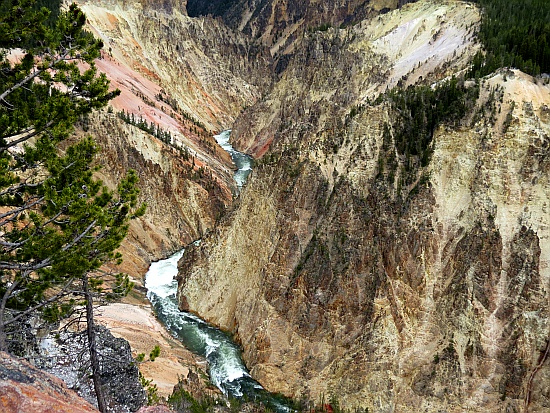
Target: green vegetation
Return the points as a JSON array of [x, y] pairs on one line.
[[151, 128], [154, 353], [419, 110], [154, 130], [163, 97], [416, 113], [58, 224], [197, 8], [151, 389], [183, 401], [54, 7], [321, 28], [515, 33]]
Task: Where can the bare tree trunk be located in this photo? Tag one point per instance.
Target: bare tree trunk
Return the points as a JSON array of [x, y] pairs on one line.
[[3, 304], [94, 359], [3, 336]]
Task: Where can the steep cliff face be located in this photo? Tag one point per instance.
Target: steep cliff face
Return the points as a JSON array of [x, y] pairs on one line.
[[209, 71], [64, 356], [184, 194], [182, 79], [279, 23], [339, 69], [345, 271]]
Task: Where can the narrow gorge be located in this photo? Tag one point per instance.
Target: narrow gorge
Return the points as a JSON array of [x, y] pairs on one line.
[[348, 266], [390, 249]]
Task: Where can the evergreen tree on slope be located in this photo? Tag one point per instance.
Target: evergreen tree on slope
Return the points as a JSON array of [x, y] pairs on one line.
[[57, 223]]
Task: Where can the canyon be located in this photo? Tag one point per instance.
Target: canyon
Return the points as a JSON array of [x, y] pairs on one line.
[[345, 268], [342, 272]]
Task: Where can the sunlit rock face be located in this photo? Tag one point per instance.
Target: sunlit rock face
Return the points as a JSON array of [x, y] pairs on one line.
[[209, 71], [339, 277]]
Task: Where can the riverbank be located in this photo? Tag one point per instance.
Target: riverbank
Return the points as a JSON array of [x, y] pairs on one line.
[[137, 325]]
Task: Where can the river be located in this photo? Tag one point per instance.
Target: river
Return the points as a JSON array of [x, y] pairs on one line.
[[243, 161], [226, 368]]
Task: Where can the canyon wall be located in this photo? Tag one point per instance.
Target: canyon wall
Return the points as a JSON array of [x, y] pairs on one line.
[[280, 23], [188, 78], [183, 203], [209, 71], [343, 271]]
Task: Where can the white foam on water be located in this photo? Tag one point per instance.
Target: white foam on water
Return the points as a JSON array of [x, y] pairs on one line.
[[233, 371], [195, 318], [225, 364], [160, 277], [223, 140], [241, 160], [211, 345]]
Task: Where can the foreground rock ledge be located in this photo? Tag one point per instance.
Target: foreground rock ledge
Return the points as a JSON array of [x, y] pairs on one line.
[[25, 389]]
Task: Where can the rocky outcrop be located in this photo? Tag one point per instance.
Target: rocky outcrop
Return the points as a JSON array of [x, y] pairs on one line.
[[139, 326], [25, 389], [66, 355], [345, 271], [155, 409]]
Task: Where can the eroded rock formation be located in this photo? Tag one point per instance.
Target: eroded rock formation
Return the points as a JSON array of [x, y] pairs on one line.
[[280, 24], [342, 271], [209, 71], [189, 78], [183, 200], [66, 355]]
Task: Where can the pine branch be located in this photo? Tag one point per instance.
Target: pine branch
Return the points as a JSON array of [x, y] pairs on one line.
[[26, 137], [17, 211], [61, 294], [37, 72]]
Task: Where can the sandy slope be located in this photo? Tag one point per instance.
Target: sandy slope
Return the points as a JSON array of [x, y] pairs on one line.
[[138, 325]]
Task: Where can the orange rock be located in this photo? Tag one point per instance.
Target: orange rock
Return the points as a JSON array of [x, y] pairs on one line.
[[25, 389]]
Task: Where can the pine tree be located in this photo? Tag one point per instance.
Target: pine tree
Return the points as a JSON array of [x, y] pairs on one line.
[[57, 223]]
